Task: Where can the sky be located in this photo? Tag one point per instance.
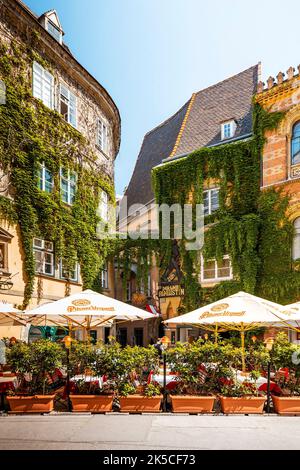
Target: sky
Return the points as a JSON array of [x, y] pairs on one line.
[[151, 55]]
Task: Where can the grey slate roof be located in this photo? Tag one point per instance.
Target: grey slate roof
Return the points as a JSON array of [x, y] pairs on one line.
[[229, 99], [157, 145]]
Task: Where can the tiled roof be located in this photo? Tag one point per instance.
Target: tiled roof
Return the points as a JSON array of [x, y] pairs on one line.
[[156, 146], [197, 124], [229, 99]]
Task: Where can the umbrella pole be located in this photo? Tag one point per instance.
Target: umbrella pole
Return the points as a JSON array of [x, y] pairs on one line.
[[243, 347], [216, 333]]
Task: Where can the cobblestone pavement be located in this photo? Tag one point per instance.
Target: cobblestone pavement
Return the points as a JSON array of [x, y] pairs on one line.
[[169, 432]]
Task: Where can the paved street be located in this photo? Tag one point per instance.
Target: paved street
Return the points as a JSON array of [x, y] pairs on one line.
[[149, 432]]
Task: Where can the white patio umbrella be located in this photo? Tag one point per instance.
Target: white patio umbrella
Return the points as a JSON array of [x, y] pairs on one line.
[[291, 314], [11, 316], [85, 309], [241, 312]]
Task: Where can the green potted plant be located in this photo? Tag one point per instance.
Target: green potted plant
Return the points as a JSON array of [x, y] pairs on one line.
[[285, 358], [194, 392], [238, 392], [89, 359], [33, 363], [135, 394]]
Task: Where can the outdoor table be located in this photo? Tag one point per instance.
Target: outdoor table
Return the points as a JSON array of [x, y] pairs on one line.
[[95, 380], [171, 380], [261, 383]]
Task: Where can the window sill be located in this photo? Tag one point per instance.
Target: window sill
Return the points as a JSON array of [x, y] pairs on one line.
[[56, 279], [215, 281], [102, 152]]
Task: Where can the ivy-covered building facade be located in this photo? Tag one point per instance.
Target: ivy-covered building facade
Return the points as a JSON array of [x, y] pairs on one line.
[[59, 137], [232, 147]]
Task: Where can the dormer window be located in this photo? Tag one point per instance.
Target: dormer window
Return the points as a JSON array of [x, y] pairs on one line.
[[50, 21], [228, 129], [54, 31]]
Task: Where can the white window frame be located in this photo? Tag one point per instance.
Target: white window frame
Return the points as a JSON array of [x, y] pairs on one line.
[[216, 278], [104, 277], [296, 239], [39, 246], [41, 78], [103, 206], [101, 139], [70, 101], [70, 184], [42, 180], [210, 208], [76, 270], [232, 127], [55, 28]]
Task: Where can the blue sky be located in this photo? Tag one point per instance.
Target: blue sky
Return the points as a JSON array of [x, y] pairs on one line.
[[151, 55]]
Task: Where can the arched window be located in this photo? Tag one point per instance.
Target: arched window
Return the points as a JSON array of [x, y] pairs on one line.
[[296, 240], [295, 150]]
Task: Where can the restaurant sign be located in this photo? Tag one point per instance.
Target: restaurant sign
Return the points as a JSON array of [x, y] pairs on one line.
[[175, 290]]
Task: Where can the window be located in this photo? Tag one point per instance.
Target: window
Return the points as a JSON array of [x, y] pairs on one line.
[[295, 150], [128, 291], [104, 206], [296, 240], [211, 201], [54, 31], [68, 105], [228, 129], [45, 178], [68, 272], [42, 85], [213, 270], [102, 136], [3, 255], [68, 185], [104, 277], [43, 252]]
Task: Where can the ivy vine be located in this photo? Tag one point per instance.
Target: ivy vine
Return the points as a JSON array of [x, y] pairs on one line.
[[31, 134]]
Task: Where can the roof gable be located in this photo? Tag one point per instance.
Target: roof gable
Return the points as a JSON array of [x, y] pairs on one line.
[[53, 17]]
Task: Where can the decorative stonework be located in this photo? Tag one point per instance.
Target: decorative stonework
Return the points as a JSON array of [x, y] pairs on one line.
[[286, 125]]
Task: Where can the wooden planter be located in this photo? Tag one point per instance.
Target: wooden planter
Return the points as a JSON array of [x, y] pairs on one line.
[[140, 404], [286, 405], [192, 403], [92, 403], [34, 404], [242, 405]]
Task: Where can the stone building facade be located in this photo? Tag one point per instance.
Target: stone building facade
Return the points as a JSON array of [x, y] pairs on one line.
[[220, 114], [83, 102], [281, 154]]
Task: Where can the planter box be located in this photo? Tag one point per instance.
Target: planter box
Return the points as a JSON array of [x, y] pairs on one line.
[[192, 403], [242, 405], [139, 404], [34, 404], [286, 405], [92, 403]]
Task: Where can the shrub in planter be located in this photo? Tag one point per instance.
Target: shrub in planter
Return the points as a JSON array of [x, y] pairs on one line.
[[241, 398], [33, 363], [238, 391], [196, 366], [134, 366], [285, 358], [98, 360]]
